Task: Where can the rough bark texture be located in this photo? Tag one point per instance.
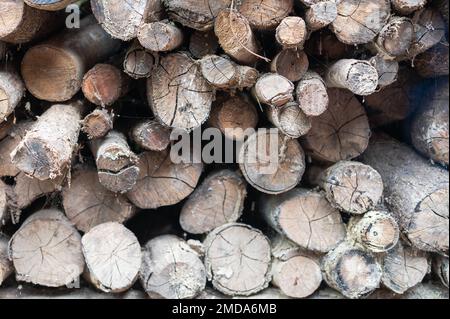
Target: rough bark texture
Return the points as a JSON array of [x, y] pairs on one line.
[[150, 135], [11, 93], [290, 63], [98, 123], [266, 14], [291, 33], [139, 62], [289, 119], [312, 95], [273, 89], [160, 36]]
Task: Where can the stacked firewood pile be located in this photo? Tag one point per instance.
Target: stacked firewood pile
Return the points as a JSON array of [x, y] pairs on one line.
[[91, 198]]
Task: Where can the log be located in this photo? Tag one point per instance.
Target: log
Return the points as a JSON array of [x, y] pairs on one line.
[[8, 144], [237, 259], [210, 293], [11, 92], [434, 62], [359, 22], [6, 126], [358, 76], [415, 191], [289, 119], [150, 135], [88, 204], [340, 133], [440, 268], [376, 231], [139, 62], [305, 217], [290, 63], [351, 271], [429, 129], [202, 44], [427, 291], [269, 293], [442, 6], [46, 250], [234, 116], [271, 162], [6, 267], [266, 14], [352, 187], [312, 95], [98, 123], [113, 257], [406, 7], [403, 268], [49, 5], [236, 37], [171, 269], [321, 14], [104, 84], [160, 36], [198, 15], [178, 94], [217, 201], [4, 207], [46, 150], [291, 33], [387, 70], [325, 46], [162, 182], [273, 89], [395, 38], [74, 51]]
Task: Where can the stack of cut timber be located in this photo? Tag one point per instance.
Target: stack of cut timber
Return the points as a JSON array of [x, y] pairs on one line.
[[218, 149]]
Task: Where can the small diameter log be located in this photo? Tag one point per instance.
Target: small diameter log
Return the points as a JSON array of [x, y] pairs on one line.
[[395, 38], [238, 259], [202, 44], [65, 59], [415, 191], [376, 231], [440, 268], [434, 62], [46, 250], [113, 257], [312, 95], [8, 144], [352, 187], [171, 269], [217, 201], [198, 15], [139, 62], [429, 130], [291, 33], [387, 70], [406, 7], [178, 94], [160, 36], [47, 149], [351, 271], [6, 266], [290, 63], [150, 135], [234, 116], [271, 162], [104, 84], [289, 119], [359, 22], [116, 162], [12, 90], [236, 37], [266, 14], [358, 76], [273, 89], [162, 182], [49, 5], [340, 133], [98, 123], [224, 74], [321, 14], [306, 218], [88, 204]]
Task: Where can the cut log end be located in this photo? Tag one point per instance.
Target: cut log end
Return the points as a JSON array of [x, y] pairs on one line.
[[151, 136], [291, 33], [266, 14], [290, 63], [312, 94], [273, 89], [160, 36], [321, 14], [289, 119], [98, 123]]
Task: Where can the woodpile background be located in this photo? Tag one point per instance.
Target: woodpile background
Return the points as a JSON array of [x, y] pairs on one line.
[[89, 197]]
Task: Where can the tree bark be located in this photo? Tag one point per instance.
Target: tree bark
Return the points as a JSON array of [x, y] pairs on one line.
[[160, 36], [274, 90], [150, 135], [266, 14], [290, 63], [312, 95], [49, 5], [321, 14], [289, 119], [291, 33], [139, 62], [98, 123]]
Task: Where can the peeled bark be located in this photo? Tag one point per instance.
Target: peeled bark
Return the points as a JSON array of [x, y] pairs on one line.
[[98, 123], [266, 14], [387, 70], [312, 95], [321, 14], [273, 89], [434, 62], [139, 62], [440, 268], [406, 7], [151, 135], [291, 33], [49, 5], [6, 266], [289, 119], [237, 259], [290, 63], [11, 93], [202, 44], [160, 36]]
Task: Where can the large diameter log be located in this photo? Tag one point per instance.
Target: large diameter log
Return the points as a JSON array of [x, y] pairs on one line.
[[429, 290], [266, 14], [160, 36], [53, 71], [290, 63], [217, 201], [321, 14], [429, 130], [139, 62], [237, 259], [88, 204], [46, 250], [406, 7], [415, 191], [12, 90], [47, 149], [440, 268], [359, 22], [113, 257], [6, 266], [351, 271], [116, 162], [49, 5], [291, 33], [178, 94], [434, 62], [305, 217], [312, 95], [171, 269], [98, 123], [273, 89], [271, 162], [395, 38], [150, 135], [340, 133], [162, 182], [289, 119]]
